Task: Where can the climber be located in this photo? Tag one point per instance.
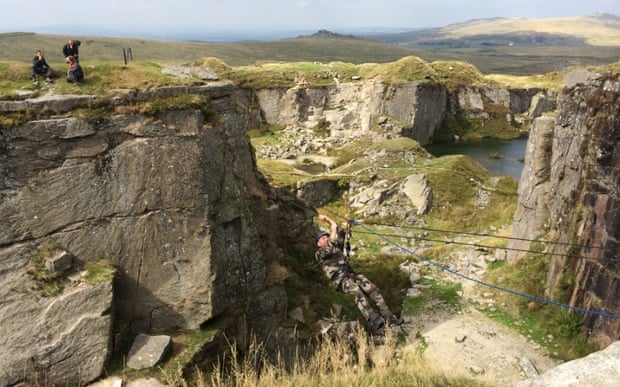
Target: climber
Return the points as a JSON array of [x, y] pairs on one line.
[[335, 264]]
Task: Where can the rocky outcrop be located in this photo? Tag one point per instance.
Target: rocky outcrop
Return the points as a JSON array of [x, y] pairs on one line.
[[173, 200], [146, 351], [411, 109], [62, 338], [318, 192], [600, 369], [569, 194], [517, 104], [532, 214]]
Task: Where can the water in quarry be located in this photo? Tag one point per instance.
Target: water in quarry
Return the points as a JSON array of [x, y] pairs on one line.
[[511, 152]]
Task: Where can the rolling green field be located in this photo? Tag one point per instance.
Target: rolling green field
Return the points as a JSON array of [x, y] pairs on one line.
[[21, 47], [488, 44]]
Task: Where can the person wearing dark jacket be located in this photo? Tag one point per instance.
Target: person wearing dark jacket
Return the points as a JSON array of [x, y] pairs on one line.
[[40, 66], [75, 74], [71, 50], [335, 264]]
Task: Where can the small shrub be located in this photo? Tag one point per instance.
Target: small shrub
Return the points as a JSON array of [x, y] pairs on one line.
[[567, 323]]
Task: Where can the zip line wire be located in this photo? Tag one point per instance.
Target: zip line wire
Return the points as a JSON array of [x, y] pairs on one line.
[[495, 236], [485, 246], [566, 244], [500, 288], [480, 282]]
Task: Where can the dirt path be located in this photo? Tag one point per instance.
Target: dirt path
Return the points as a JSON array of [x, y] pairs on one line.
[[468, 343]]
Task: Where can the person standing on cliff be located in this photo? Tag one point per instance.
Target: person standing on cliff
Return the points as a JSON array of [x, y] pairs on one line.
[[71, 49], [335, 264]]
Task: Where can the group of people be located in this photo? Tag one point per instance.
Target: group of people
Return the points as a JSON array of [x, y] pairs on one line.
[[70, 51]]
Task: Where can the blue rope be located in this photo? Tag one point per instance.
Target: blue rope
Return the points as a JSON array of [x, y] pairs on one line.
[[513, 292]]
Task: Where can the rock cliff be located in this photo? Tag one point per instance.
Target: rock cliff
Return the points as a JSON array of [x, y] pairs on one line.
[[569, 194], [173, 200], [411, 109]]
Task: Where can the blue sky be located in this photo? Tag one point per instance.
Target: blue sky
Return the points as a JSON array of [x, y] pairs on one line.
[[159, 17]]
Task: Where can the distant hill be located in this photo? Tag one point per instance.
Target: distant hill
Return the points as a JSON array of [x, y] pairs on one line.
[[597, 30], [517, 46], [510, 46]]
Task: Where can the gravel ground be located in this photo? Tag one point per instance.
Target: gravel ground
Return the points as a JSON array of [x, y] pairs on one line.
[[468, 343]]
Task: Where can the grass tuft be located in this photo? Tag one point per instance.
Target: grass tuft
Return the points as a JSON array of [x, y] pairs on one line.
[[48, 283], [553, 327], [351, 360], [99, 271]]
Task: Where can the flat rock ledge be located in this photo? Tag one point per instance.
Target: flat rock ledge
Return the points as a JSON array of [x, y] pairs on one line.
[[62, 103]]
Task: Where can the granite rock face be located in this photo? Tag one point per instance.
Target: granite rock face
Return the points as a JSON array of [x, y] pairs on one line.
[[62, 338], [172, 200], [569, 193], [411, 109]]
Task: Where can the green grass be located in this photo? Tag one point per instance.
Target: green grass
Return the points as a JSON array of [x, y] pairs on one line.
[[551, 326], [21, 47], [448, 293], [48, 283], [158, 106], [521, 61], [288, 74], [456, 74], [452, 175], [99, 271], [101, 78], [409, 68], [279, 173], [309, 166], [455, 180]]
